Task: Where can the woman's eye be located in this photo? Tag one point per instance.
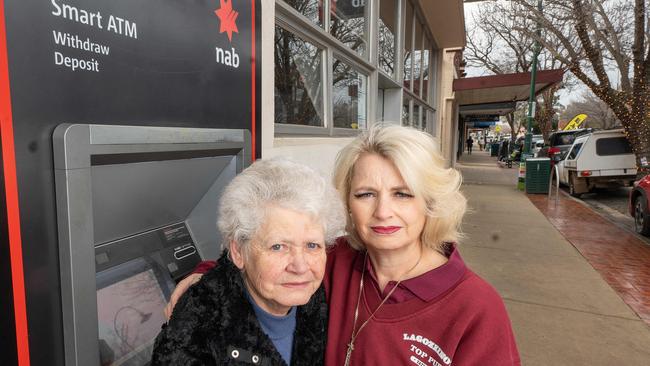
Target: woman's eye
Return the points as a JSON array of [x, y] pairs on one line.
[[363, 195], [313, 245], [403, 195], [276, 247]]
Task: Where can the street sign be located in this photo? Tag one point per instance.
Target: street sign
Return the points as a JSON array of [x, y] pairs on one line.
[[575, 122]]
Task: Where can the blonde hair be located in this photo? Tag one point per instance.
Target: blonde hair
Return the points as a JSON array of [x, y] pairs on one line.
[[422, 167]]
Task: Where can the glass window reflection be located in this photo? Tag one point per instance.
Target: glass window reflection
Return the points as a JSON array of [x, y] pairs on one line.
[[426, 71], [417, 59], [386, 37], [348, 96], [406, 112], [415, 120], [348, 23], [298, 80], [408, 45], [309, 8]]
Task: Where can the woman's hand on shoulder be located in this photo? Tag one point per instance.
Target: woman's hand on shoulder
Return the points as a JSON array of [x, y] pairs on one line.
[[180, 289]]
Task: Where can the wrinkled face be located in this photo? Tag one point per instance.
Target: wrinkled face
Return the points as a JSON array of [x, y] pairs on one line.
[[285, 262], [385, 213]]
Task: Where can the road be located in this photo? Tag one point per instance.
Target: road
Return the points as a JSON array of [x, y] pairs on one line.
[[612, 204]]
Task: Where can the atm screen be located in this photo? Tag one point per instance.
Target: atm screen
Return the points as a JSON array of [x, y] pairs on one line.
[[130, 302]]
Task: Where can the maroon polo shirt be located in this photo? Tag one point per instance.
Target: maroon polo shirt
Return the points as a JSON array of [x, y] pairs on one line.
[[426, 286]]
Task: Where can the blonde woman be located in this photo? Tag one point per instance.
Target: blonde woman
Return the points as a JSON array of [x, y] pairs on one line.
[[397, 288]]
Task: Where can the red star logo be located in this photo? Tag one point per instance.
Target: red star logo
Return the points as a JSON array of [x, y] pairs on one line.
[[227, 16]]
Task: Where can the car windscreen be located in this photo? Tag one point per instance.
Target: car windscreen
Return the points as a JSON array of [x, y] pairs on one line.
[[613, 146]]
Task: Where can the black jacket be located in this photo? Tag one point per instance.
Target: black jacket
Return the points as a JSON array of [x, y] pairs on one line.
[[215, 324]]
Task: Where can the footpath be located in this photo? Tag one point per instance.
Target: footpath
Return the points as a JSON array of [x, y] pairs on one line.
[[577, 287]]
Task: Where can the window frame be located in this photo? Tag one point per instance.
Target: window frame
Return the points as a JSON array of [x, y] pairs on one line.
[[428, 104], [293, 21]]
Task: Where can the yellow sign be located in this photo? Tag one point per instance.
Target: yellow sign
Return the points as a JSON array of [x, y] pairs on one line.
[[575, 122], [497, 128]]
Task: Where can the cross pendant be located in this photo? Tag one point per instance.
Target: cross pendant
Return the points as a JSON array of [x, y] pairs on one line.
[[348, 354]]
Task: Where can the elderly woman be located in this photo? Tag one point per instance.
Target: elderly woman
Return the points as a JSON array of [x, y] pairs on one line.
[[397, 288], [263, 303]]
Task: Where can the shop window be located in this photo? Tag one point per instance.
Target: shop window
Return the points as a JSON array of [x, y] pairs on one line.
[[417, 59], [386, 37], [311, 9], [298, 80], [429, 123], [349, 22], [415, 119], [426, 70], [349, 106], [406, 112], [408, 46]]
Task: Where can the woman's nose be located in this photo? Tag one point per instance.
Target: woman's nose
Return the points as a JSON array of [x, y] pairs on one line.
[[383, 209], [298, 262]]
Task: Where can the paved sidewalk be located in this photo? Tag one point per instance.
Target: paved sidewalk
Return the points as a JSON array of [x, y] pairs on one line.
[[563, 311]]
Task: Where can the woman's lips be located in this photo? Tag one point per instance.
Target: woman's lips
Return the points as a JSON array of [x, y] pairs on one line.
[[296, 284], [385, 229]]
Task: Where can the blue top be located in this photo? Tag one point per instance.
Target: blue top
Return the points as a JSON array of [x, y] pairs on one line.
[[280, 329]]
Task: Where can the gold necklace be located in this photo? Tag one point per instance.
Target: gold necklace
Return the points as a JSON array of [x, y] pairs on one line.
[[355, 332]]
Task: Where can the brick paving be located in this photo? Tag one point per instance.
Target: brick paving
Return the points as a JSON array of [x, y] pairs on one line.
[[622, 260]]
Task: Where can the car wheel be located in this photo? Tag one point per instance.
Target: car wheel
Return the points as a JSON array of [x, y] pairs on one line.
[[572, 186], [641, 219]]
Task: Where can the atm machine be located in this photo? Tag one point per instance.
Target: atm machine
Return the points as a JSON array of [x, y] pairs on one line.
[[137, 210], [119, 127]]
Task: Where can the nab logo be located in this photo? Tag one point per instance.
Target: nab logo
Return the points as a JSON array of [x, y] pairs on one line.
[[227, 17]]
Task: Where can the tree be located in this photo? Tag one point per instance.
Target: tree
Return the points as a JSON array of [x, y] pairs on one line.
[[611, 56], [497, 43], [599, 115]]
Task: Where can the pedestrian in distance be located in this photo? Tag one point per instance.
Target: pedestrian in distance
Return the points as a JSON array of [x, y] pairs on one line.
[[397, 288], [470, 143]]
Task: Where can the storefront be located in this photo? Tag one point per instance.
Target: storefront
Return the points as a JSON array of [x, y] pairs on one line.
[[485, 97], [341, 66]]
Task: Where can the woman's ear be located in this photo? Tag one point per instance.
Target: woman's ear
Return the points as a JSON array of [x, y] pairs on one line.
[[236, 254]]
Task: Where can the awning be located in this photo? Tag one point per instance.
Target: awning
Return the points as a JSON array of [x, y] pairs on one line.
[[487, 109], [446, 20], [497, 94]]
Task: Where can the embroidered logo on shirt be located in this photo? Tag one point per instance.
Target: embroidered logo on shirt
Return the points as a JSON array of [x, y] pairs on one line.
[[424, 352]]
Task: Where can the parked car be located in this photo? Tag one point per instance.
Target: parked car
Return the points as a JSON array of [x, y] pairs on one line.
[[538, 147], [536, 144], [639, 206], [599, 159], [559, 143]]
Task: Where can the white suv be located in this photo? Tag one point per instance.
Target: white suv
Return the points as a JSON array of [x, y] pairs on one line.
[[599, 159]]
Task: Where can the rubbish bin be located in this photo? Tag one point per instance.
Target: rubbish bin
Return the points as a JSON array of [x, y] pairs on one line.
[[537, 175], [494, 149]]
